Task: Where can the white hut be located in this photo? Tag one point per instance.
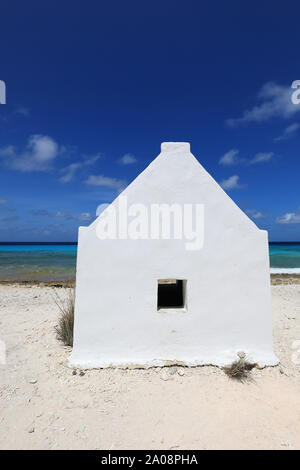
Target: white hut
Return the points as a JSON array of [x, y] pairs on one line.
[[172, 272]]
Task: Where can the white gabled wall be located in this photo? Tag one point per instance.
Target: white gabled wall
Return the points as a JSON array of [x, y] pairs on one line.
[[228, 291]]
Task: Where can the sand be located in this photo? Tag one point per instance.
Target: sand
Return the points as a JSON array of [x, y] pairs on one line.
[[44, 406]]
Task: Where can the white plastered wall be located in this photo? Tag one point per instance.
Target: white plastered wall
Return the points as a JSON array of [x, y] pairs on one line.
[[227, 281]]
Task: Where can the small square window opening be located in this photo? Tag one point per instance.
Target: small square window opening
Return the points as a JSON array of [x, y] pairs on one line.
[[171, 294]]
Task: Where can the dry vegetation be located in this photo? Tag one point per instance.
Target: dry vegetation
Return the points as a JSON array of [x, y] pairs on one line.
[[239, 370], [64, 329]]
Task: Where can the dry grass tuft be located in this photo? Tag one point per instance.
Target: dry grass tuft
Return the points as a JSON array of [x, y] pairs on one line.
[[239, 370], [64, 329]]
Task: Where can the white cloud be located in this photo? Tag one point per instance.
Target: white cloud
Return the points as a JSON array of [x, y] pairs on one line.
[[274, 101], [128, 159], [3, 201], [90, 160], [22, 111], [288, 132], [105, 181], [40, 213], [64, 215], [85, 216], [39, 154], [70, 170], [289, 218], [262, 157], [101, 208], [8, 151], [256, 214], [231, 183], [230, 158]]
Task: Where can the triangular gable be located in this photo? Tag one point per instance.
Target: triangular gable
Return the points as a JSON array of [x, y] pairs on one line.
[[176, 167]]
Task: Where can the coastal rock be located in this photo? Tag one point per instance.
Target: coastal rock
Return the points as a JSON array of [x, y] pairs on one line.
[[164, 376], [30, 429], [287, 443]]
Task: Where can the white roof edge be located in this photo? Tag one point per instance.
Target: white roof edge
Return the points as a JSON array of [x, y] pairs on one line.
[[175, 147]]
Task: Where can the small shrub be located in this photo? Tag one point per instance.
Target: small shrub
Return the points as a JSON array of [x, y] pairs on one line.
[[239, 369], [64, 329]]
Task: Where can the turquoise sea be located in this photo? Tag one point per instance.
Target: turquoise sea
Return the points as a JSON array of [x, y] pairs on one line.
[[37, 262], [56, 262], [285, 257]]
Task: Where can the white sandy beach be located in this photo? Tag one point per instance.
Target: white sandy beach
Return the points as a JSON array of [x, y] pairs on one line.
[[44, 406]]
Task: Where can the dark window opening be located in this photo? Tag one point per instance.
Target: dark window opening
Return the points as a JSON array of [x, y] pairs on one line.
[[170, 293]]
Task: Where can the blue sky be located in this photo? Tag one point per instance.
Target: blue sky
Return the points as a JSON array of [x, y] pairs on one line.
[[93, 88]]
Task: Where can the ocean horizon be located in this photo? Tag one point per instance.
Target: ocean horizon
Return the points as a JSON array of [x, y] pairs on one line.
[[56, 261]]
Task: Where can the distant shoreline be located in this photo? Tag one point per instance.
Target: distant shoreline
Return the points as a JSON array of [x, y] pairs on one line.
[[49, 263], [76, 243], [37, 243], [276, 279]]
